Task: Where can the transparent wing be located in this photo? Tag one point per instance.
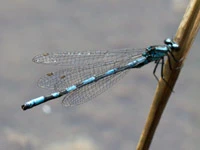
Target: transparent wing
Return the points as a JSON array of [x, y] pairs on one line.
[[92, 90], [83, 68], [64, 78], [86, 58]]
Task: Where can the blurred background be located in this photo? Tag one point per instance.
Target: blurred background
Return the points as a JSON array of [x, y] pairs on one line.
[[115, 119]]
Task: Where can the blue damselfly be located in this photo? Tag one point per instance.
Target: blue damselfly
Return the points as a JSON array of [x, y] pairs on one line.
[[89, 73]]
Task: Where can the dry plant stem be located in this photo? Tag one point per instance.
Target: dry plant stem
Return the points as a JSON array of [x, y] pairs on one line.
[[185, 35]]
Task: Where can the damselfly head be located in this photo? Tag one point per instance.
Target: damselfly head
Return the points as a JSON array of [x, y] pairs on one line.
[[173, 45]]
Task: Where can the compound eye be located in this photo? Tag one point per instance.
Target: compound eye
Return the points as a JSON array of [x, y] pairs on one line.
[[168, 41], [171, 44], [175, 46]]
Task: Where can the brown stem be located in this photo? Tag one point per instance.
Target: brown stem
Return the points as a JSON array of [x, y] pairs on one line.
[[185, 35]]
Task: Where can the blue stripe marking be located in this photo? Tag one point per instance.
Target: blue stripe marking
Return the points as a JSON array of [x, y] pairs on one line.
[[131, 63], [71, 88], [137, 61], [109, 72], [88, 80], [56, 94], [141, 59], [36, 101]]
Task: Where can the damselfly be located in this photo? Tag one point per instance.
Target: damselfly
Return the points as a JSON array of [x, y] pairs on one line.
[[88, 74]]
